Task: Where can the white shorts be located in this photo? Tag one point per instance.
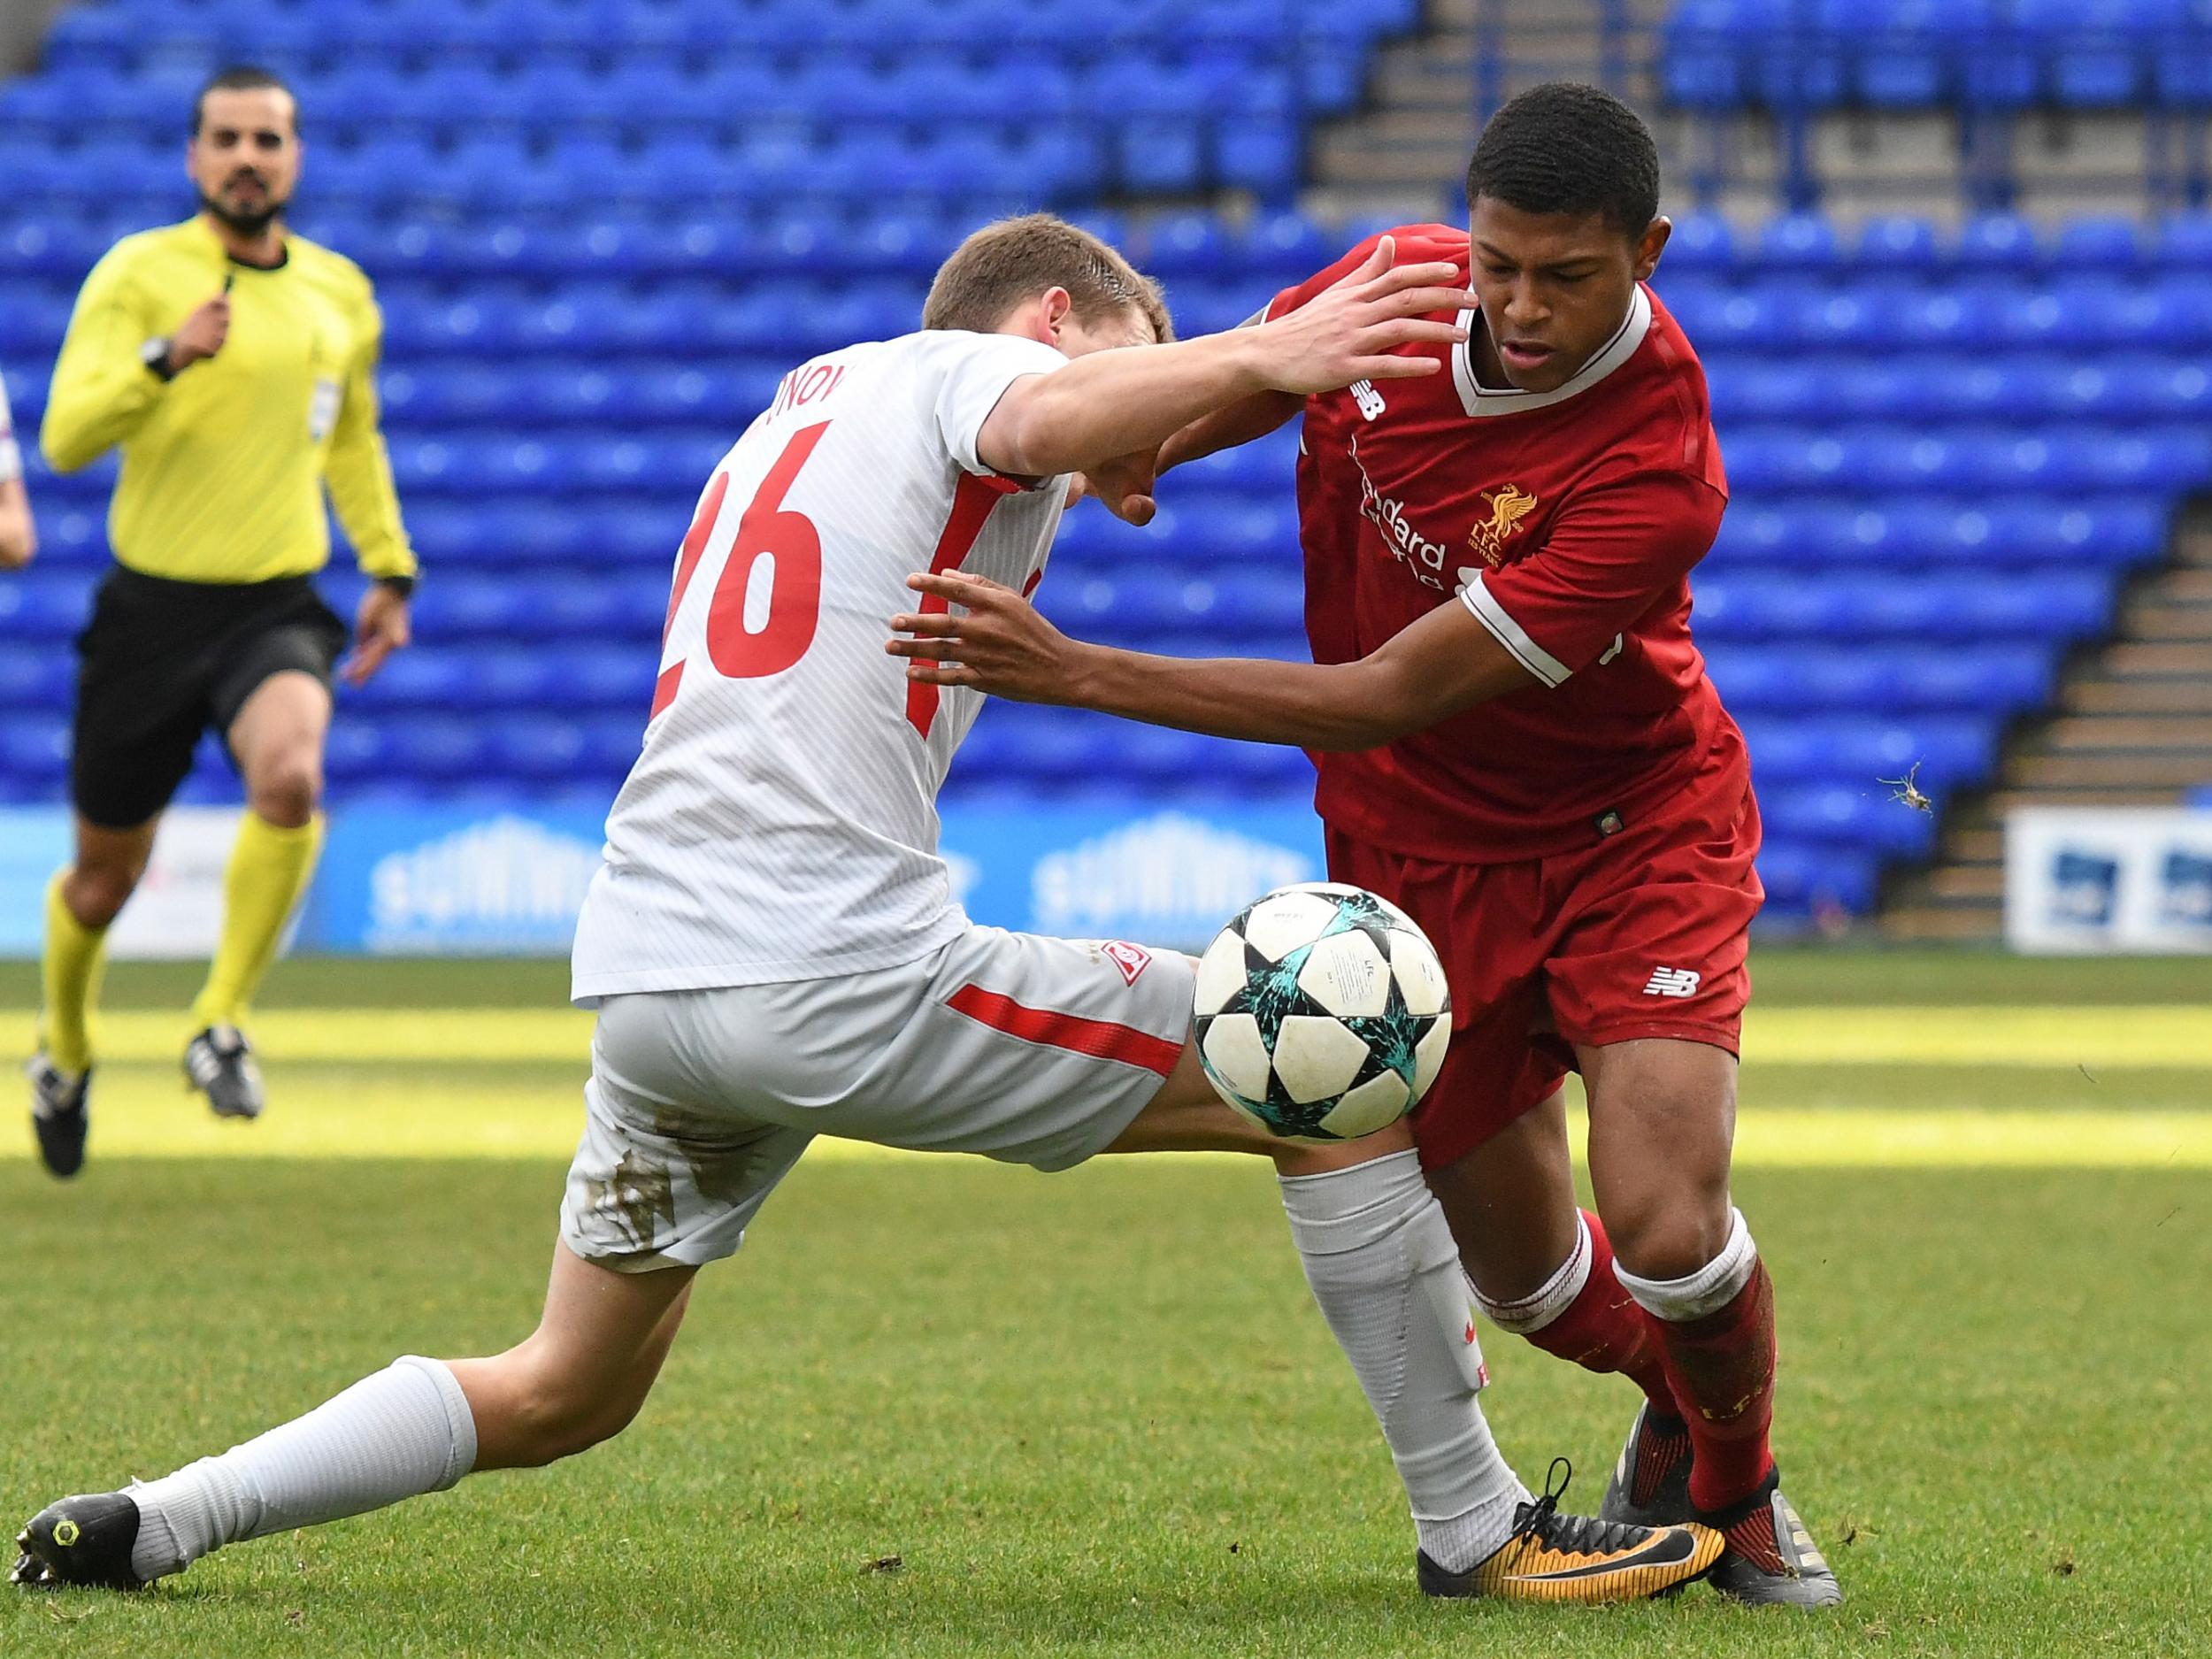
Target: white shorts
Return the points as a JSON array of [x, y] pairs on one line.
[[1035, 1050]]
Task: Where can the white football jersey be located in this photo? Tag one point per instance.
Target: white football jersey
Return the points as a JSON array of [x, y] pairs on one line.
[[781, 823]]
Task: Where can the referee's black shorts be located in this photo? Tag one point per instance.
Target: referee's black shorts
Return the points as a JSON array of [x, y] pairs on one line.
[[163, 660]]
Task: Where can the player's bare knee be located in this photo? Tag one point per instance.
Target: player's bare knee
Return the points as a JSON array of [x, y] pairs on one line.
[[285, 790], [97, 893], [553, 1416]]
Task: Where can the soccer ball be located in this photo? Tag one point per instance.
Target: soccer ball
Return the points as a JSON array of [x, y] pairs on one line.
[[1323, 1014]]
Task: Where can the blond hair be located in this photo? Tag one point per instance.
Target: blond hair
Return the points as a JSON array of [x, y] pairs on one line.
[[1015, 259]]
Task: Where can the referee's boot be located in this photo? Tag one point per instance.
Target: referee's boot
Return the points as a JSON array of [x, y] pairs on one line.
[[57, 1114], [219, 1063]]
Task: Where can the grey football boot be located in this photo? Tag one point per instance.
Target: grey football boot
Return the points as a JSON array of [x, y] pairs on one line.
[[219, 1063]]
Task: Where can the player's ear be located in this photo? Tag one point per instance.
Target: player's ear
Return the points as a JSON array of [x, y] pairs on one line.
[[1059, 305], [1650, 245]]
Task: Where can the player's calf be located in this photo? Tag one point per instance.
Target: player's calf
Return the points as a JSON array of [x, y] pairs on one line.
[[527, 1416], [1716, 1331]]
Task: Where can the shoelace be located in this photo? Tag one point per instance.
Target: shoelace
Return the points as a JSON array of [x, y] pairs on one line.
[[1539, 1521]]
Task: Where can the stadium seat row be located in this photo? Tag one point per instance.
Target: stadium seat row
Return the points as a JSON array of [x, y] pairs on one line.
[[1984, 242], [1771, 686], [864, 239], [1905, 315], [533, 31], [1226, 606], [1762, 462], [2026, 395], [859, 244], [1762, 466], [735, 94], [2044, 386], [1796, 758], [1989, 54]]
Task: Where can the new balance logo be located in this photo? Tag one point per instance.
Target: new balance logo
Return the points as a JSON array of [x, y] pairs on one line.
[[1672, 982], [1370, 400]]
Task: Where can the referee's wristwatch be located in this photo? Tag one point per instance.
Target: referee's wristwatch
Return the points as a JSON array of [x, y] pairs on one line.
[[155, 355]]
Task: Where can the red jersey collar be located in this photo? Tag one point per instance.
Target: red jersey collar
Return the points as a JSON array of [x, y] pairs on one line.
[[1480, 400]]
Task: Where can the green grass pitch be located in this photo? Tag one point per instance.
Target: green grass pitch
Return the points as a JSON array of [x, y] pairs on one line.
[[1095, 1413]]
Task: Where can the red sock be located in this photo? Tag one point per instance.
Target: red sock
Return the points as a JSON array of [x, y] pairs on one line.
[[1603, 1330], [1722, 1369]]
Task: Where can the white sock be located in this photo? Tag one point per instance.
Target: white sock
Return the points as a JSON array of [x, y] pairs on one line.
[[1544, 1304], [1712, 1287], [406, 1431], [1383, 1266]]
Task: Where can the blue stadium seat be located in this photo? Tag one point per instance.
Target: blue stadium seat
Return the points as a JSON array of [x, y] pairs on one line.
[[1995, 242], [1798, 241], [1897, 242], [2102, 244]]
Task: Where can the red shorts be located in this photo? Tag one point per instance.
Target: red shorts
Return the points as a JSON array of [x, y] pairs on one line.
[[1641, 933]]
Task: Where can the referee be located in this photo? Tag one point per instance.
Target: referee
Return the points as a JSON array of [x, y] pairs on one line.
[[233, 365]]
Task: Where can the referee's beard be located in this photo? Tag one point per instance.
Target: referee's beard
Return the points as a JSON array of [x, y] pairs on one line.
[[246, 222]]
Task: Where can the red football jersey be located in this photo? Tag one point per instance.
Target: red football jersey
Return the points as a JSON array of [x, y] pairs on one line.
[[1566, 522]]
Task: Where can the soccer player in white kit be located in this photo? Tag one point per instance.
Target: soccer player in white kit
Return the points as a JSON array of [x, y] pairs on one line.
[[18, 533], [774, 951]]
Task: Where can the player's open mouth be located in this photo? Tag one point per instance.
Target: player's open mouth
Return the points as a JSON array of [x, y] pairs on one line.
[[1524, 354]]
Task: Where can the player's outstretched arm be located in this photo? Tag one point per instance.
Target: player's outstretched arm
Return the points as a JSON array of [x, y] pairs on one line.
[[1444, 662], [1240, 424], [1109, 404]]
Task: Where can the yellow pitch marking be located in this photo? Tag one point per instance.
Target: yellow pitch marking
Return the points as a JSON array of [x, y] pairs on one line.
[[139, 1113], [2099, 1038], [410, 1100], [2027, 1036]]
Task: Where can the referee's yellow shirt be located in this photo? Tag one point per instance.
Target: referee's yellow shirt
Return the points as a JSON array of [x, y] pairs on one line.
[[224, 465]]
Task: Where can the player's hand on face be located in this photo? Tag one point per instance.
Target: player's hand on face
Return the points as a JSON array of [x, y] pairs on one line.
[[202, 334], [1000, 644], [381, 626], [1347, 332]]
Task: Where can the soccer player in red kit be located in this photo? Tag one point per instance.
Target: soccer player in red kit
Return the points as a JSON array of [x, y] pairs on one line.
[[1517, 744]]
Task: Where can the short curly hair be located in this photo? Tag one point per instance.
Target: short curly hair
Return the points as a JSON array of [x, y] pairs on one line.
[[1565, 147]]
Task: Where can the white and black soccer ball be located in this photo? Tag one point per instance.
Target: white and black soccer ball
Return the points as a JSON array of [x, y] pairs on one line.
[[1323, 1013]]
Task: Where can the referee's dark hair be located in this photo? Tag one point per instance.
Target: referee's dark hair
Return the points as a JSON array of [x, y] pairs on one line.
[[243, 78], [1565, 147]]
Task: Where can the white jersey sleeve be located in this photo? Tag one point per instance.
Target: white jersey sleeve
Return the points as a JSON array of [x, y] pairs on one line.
[[973, 372], [780, 822], [10, 453]]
